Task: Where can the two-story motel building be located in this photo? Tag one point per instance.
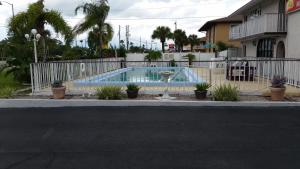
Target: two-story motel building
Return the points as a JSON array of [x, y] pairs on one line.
[[270, 28]]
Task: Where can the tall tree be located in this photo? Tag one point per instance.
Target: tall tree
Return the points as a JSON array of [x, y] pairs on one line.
[[95, 15], [38, 17], [162, 33], [180, 39], [193, 41]]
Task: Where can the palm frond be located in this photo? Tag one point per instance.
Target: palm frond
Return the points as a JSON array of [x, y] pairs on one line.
[[55, 19]]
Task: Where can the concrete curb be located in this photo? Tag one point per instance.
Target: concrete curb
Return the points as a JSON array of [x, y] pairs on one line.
[[36, 103]]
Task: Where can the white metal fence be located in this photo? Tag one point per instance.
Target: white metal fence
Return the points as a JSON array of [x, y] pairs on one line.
[[249, 75], [44, 74]]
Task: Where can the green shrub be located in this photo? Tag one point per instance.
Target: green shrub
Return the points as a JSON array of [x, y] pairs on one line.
[[225, 93], [153, 56], [133, 87], [202, 86], [6, 92], [172, 63], [109, 93], [122, 53]]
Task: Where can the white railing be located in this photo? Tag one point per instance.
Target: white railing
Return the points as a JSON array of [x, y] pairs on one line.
[[267, 23], [44, 74], [249, 75]]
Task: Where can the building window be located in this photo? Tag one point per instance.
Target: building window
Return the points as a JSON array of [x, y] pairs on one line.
[[255, 13], [265, 48]]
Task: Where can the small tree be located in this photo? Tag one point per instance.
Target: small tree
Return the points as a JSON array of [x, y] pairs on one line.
[[191, 58]]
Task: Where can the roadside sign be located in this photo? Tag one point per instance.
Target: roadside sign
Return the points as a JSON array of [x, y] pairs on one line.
[[293, 5]]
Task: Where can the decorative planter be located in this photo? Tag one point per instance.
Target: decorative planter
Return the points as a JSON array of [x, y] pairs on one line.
[[132, 94], [59, 93], [200, 94], [277, 94], [165, 78]]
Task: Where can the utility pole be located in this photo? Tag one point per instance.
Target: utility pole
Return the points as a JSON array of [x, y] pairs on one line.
[[127, 36], [146, 44], [119, 34], [140, 42], [174, 37]]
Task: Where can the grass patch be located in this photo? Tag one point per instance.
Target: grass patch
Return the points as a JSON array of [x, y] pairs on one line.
[[8, 85]]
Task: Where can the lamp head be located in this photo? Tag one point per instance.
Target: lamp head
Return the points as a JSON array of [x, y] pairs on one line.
[[34, 31], [38, 36], [27, 37]]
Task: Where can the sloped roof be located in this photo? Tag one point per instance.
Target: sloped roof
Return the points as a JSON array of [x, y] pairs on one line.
[[246, 7], [209, 24]]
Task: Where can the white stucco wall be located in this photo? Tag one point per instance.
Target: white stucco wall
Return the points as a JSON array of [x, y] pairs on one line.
[[170, 56], [270, 6], [251, 49], [267, 7], [293, 36]]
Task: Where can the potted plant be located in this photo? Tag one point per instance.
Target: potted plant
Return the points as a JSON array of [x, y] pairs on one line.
[[278, 88], [201, 90], [58, 90], [132, 91]]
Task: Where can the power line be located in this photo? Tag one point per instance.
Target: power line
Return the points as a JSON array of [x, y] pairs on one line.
[[157, 18], [157, 8]]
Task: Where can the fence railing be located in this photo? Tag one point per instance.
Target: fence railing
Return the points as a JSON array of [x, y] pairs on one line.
[[249, 75], [271, 23]]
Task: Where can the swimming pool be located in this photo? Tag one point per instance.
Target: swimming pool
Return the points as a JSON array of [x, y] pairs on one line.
[[143, 76]]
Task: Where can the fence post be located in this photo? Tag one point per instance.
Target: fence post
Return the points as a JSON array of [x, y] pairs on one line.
[[210, 76], [32, 80]]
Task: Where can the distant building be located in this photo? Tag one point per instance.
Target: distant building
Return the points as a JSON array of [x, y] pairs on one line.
[[197, 48], [218, 31], [270, 28]]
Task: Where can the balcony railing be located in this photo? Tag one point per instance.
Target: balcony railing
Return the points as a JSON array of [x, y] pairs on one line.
[[267, 23]]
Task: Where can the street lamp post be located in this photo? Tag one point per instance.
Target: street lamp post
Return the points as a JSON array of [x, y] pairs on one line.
[[12, 7], [35, 38]]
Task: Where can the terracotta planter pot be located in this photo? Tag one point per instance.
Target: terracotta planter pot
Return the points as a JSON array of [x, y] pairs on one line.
[[132, 94], [59, 93], [200, 94], [277, 94]]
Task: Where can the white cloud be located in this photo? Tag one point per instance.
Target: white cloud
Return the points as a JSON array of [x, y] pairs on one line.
[[135, 9]]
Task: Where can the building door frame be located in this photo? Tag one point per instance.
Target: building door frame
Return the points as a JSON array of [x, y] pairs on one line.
[[280, 51]]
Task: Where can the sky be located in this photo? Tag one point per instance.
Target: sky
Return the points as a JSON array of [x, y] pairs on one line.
[[143, 16]]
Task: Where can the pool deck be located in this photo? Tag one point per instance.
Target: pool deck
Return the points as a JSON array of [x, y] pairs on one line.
[[260, 86]]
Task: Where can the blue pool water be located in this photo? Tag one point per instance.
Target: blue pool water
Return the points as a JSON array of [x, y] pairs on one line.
[[143, 76]]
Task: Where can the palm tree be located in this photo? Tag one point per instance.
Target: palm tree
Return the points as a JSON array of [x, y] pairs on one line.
[[95, 16], [38, 17], [94, 36], [162, 33], [193, 41], [180, 39]]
